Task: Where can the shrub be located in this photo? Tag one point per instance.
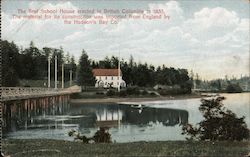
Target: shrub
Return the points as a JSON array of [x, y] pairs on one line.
[[219, 123], [102, 136], [78, 136], [99, 93], [234, 88], [123, 93], [144, 92], [133, 91], [111, 93], [152, 94], [174, 91]]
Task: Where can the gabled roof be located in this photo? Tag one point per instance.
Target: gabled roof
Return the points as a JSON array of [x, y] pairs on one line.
[[106, 72]]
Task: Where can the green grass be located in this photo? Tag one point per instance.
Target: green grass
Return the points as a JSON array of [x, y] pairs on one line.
[[55, 148]]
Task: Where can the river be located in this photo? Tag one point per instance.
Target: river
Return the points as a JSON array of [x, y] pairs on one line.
[[155, 121]]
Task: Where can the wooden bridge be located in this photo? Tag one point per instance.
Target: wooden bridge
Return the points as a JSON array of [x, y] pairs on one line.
[[18, 93], [22, 93]]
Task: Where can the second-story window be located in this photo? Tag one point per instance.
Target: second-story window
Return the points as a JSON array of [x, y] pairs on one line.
[[112, 78], [100, 78], [106, 78]]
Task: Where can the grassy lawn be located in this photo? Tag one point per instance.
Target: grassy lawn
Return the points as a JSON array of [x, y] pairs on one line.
[[56, 148]]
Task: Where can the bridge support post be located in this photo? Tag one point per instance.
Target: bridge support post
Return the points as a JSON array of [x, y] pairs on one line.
[[62, 75], [55, 71], [1, 131], [70, 75], [48, 72]]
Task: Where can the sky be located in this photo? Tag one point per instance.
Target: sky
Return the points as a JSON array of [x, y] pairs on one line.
[[209, 37]]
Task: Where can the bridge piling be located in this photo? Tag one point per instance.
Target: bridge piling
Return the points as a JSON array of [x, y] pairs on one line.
[[1, 133], [30, 98]]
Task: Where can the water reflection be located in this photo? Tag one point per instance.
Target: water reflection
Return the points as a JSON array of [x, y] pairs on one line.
[[60, 117], [168, 117], [108, 117], [153, 121], [33, 113]]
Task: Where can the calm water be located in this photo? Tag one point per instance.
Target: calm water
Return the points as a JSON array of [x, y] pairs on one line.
[[157, 121]]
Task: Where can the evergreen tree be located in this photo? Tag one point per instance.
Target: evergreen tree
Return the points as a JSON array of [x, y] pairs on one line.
[[10, 64], [85, 75], [67, 58], [73, 66]]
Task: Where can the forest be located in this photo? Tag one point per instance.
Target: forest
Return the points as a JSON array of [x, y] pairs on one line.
[[31, 63]]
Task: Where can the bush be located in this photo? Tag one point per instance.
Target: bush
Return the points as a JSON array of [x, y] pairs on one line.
[[78, 136], [111, 93], [219, 124], [234, 88], [133, 91], [152, 94], [101, 136], [99, 93], [172, 91], [123, 93], [144, 92]]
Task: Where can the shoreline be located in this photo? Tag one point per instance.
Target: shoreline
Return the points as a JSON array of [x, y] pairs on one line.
[[132, 99]]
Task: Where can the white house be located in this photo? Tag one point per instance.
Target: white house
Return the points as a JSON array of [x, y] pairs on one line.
[[108, 78]]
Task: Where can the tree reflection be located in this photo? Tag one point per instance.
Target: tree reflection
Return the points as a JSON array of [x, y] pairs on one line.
[[168, 117], [57, 115]]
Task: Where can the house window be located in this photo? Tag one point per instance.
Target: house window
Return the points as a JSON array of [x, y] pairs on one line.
[[100, 78], [117, 83], [106, 78], [112, 78], [105, 83], [117, 77]]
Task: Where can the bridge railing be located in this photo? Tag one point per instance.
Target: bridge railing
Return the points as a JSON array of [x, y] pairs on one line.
[[23, 92]]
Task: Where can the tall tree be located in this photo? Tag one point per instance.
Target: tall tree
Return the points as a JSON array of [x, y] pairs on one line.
[[34, 63], [114, 62], [10, 64], [67, 58], [85, 75]]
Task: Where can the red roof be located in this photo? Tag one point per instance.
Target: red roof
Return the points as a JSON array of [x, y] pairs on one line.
[[106, 72]]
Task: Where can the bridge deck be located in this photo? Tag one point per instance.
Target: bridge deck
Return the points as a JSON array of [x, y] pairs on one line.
[[18, 93]]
